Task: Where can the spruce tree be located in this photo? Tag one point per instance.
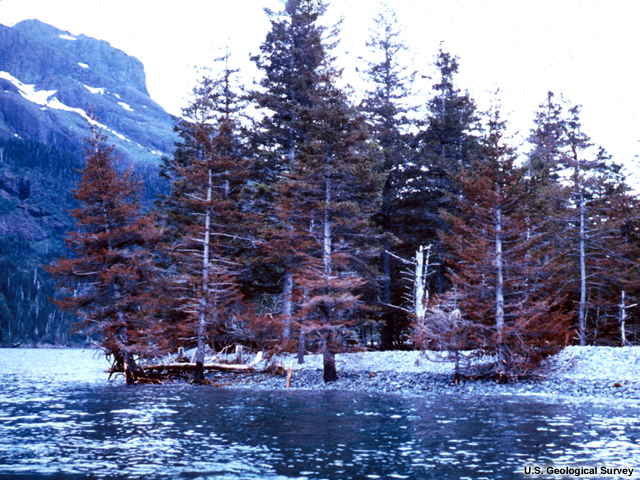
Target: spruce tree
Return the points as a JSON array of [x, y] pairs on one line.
[[548, 141], [620, 325], [323, 184], [204, 213], [109, 282], [577, 186], [292, 59], [444, 147], [325, 204], [497, 262], [386, 107], [594, 180]]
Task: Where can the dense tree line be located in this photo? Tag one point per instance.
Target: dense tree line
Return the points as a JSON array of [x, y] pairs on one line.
[[296, 229]]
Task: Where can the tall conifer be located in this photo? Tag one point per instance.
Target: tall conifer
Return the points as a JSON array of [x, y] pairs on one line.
[[326, 202], [386, 107], [497, 265], [204, 212], [326, 187], [109, 281], [293, 59], [577, 185], [444, 147]]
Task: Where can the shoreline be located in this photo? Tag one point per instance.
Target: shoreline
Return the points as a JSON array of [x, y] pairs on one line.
[[428, 384], [576, 372]]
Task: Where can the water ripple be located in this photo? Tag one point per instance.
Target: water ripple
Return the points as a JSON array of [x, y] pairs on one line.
[[65, 426]]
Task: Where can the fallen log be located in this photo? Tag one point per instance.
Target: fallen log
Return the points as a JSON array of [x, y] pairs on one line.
[[191, 366]]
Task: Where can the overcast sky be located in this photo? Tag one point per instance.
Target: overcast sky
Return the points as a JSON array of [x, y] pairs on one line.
[[587, 50]]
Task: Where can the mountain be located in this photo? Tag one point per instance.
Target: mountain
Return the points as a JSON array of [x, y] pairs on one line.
[[50, 80]]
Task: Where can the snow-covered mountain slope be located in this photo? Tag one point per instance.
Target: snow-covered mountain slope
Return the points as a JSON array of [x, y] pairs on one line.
[[51, 80]]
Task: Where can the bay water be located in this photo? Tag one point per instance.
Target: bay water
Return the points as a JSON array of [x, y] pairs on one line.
[[61, 418]]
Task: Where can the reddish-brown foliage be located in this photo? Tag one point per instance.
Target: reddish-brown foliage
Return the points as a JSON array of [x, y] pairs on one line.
[[109, 281]]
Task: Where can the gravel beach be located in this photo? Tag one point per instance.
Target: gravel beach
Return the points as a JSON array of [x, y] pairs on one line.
[[575, 372]]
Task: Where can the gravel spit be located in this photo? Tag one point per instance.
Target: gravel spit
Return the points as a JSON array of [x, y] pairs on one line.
[[602, 372]]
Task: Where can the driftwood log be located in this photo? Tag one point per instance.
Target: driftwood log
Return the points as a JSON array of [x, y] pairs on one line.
[[186, 367]]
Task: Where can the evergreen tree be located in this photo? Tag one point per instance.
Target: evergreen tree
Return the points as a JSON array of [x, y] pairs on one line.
[[324, 205], [622, 270], [108, 284], [204, 213], [448, 140], [385, 107], [593, 183], [498, 265], [293, 60], [577, 186], [320, 176], [548, 140], [427, 183], [385, 103]]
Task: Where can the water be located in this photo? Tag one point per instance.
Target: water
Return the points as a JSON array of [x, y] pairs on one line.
[[61, 418]]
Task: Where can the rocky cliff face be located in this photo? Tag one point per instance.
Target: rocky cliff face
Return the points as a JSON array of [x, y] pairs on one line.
[[50, 80]]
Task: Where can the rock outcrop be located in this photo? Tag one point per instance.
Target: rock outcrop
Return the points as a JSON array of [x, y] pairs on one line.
[[50, 80]]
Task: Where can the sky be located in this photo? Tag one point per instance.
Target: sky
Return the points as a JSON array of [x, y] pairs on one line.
[[586, 50]]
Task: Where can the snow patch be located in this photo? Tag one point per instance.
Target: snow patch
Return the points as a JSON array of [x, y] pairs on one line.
[[603, 364], [125, 106], [95, 90], [83, 65], [118, 96], [39, 97], [46, 98], [120, 136], [68, 37]]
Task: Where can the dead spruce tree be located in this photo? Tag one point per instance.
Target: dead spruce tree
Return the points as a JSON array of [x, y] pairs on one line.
[[108, 282], [584, 193], [497, 262], [326, 201], [203, 213]]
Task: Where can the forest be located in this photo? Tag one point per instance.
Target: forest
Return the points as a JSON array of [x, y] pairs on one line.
[[299, 220]]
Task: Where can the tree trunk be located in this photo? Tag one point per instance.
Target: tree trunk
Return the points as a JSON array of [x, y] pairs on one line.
[[301, 346], [198, 374], [502, 357], [238, 358], [129, 367], [327, 222], [289, 374], [623, 315], [329, 361], [583, 279], [456, 372], [386, 335], [287, 304], [128, 364], [420, 294]]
